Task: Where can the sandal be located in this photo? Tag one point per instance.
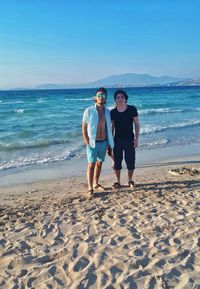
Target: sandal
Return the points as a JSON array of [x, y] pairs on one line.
[[99, 188], [116, 185], [91, 193], [131, 184]]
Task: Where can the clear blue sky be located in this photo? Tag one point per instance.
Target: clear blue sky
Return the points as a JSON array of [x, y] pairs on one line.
[[64, 41]]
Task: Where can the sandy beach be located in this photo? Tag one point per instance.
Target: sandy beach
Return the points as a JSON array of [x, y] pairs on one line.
[[53, 236]]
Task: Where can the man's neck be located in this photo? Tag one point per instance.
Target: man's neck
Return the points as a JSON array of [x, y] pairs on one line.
[[122, 106], [100, 106]]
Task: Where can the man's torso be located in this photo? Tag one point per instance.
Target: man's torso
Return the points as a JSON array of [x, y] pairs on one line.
[[123, 122]]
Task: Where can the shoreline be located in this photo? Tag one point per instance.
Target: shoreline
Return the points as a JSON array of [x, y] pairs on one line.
[[77, 167]]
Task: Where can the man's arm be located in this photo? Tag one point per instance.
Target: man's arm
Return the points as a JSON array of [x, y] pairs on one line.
[[113, 127], [85, 134], [137, 131]]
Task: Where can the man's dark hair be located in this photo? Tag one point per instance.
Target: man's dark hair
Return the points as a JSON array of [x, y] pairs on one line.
[[120, 91], [102, 89]]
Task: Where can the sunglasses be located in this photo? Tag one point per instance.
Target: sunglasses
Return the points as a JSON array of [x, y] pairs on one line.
[[101, 95]]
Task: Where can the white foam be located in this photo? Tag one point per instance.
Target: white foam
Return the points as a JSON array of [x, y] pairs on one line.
[[19, 110], [78, 99], [159, 110], [41, 100], [148, 129]]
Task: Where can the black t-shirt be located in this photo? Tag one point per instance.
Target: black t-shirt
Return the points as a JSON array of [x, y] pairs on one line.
[[123, 122]]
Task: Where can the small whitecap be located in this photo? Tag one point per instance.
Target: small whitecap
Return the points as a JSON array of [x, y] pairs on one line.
[[78, 99], [19, 110], [41, 100]]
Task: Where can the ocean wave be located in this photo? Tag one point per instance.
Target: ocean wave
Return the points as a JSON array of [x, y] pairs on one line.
[[153, 144], [37, 159], [198, 108], [195, 96], [78, 99], [19, 110], [28, 145], [41, 100], [13, 102], [148, 129], [159, 110]]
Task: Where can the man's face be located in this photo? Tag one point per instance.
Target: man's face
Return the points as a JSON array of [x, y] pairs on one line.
[[101, 97], [120, 98]]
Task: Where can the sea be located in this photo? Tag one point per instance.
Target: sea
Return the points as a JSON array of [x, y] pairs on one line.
[[39, 127]]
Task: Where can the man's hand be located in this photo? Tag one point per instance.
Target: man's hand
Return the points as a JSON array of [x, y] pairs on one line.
[[135, 143], [109, 150]]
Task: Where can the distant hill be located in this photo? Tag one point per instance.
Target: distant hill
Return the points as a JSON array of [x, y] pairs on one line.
[[120, 80], [133, 79]]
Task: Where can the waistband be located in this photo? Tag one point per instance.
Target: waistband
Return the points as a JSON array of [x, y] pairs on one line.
[[97, 140]]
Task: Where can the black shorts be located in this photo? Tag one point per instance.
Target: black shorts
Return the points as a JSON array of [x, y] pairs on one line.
[[126, 147]]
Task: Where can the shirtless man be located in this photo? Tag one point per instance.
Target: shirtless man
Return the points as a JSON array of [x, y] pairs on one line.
[[97, 135]]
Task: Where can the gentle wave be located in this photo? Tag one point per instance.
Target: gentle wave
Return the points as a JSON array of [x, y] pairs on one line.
[[159, 110], [42, 159], [148, 129], [150, 145], [13, 102], [78, 99], [194, 96], [25, 145], [19, 110], [41, 100]]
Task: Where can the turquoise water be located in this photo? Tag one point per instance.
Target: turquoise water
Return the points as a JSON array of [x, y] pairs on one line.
[[38, 127]]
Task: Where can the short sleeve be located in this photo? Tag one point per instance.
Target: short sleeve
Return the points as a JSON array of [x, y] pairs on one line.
[[134, 111], [85, 116], [112, 114]]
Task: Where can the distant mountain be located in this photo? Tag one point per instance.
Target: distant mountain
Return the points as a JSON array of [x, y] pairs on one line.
[[133, 79], [120, 80]]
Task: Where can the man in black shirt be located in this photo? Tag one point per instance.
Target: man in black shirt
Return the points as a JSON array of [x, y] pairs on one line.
[[123, 117]]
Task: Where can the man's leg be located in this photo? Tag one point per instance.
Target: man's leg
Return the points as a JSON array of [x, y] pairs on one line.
[[101, 152], [130, 160], [130, 175], [118, 157], [90, 175], [118, 175], [97, 172]]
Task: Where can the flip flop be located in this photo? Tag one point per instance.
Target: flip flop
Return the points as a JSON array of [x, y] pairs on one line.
[[99, 187], [91, 193], [131, 184], [116, 185]]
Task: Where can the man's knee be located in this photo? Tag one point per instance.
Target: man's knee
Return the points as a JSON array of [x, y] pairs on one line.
[[91, 165], [98, 163]]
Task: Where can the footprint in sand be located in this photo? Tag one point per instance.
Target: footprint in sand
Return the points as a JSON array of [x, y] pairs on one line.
[[81, 264]]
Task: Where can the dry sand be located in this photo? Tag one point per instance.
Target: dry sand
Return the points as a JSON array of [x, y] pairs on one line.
[[53, 236]]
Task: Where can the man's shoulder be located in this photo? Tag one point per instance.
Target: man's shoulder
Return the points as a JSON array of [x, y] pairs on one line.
[[113, 110], [131, 106], [133, 110], [90, 108]]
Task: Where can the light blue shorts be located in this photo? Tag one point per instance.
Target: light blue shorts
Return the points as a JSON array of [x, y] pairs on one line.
[[98, 153]]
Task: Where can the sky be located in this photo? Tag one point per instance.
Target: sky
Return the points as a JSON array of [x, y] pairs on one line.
[[67, 42]]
